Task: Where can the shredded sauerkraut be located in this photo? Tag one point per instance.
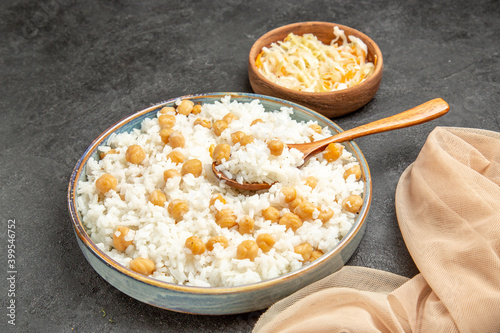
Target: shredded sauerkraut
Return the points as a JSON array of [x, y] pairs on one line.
[[304, 63]]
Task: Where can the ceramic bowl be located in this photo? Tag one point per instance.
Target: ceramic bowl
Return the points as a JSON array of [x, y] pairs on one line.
[[203, 300], [331, 104]]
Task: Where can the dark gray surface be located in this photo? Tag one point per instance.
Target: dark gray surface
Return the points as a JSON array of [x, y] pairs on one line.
[[69, 70]]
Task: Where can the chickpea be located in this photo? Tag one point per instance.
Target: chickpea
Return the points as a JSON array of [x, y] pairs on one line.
[[217, 197], [177, 208], [221, 152], [103, 154], [176, 156], [236, 136], [352, 203], [246, 225], [316, 128], [246, 139], [193, 167], [290, 220], [333, 151], [165, 134], [166, 120], [289, 192], [248, 249], [276, 147], [228, 118], [135, 154], [185, 107], [219, 126], [311, 182], [265, 242], [142, 266], [216, 240], [105, 183], [195, 244], [176, 140], [167, 110], [203, 122], [354, 170], [271, 214], [256, 121], [170, 173], [158, 198], [196, 109], [315, 255], [119, 242], [305, 210], [305, 250], [295, 202], [211, 150], [225, 218], [325, 214]]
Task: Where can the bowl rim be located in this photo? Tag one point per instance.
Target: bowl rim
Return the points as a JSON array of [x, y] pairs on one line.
[[81, 233], [376, 75]]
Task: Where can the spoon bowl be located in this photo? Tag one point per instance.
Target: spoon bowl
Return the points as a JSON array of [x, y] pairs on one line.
[[419, 114]]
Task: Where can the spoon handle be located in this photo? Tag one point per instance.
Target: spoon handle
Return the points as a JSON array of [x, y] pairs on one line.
[[419, 114]]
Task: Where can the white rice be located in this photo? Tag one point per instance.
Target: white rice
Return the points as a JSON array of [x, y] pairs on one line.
[[156, 235]]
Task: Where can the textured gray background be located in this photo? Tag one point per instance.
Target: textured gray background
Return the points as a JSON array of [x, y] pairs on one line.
[[69, 69]]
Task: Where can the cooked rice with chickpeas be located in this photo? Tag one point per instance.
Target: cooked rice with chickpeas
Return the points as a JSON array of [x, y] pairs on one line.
[[152, 203]]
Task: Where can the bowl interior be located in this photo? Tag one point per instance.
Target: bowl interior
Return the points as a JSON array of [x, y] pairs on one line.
[[322, 30], [133, 121]]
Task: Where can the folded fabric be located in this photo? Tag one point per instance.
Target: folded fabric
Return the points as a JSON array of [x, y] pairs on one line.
[[448, 210]]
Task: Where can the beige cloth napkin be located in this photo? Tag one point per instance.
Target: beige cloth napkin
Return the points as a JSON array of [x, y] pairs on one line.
[[448, 209]]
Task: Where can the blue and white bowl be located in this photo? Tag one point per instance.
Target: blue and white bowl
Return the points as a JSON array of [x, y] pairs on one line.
[[219, 300]]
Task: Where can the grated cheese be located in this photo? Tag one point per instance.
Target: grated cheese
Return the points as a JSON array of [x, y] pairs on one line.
[[304, 63]]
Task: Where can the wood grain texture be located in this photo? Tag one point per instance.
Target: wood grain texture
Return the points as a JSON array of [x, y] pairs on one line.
[[331, 104], [419, 114]]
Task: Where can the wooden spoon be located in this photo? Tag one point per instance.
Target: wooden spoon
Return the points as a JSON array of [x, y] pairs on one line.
[[419, 114]]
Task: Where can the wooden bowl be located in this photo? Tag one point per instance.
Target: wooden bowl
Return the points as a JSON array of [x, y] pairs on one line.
[[331, 104]]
